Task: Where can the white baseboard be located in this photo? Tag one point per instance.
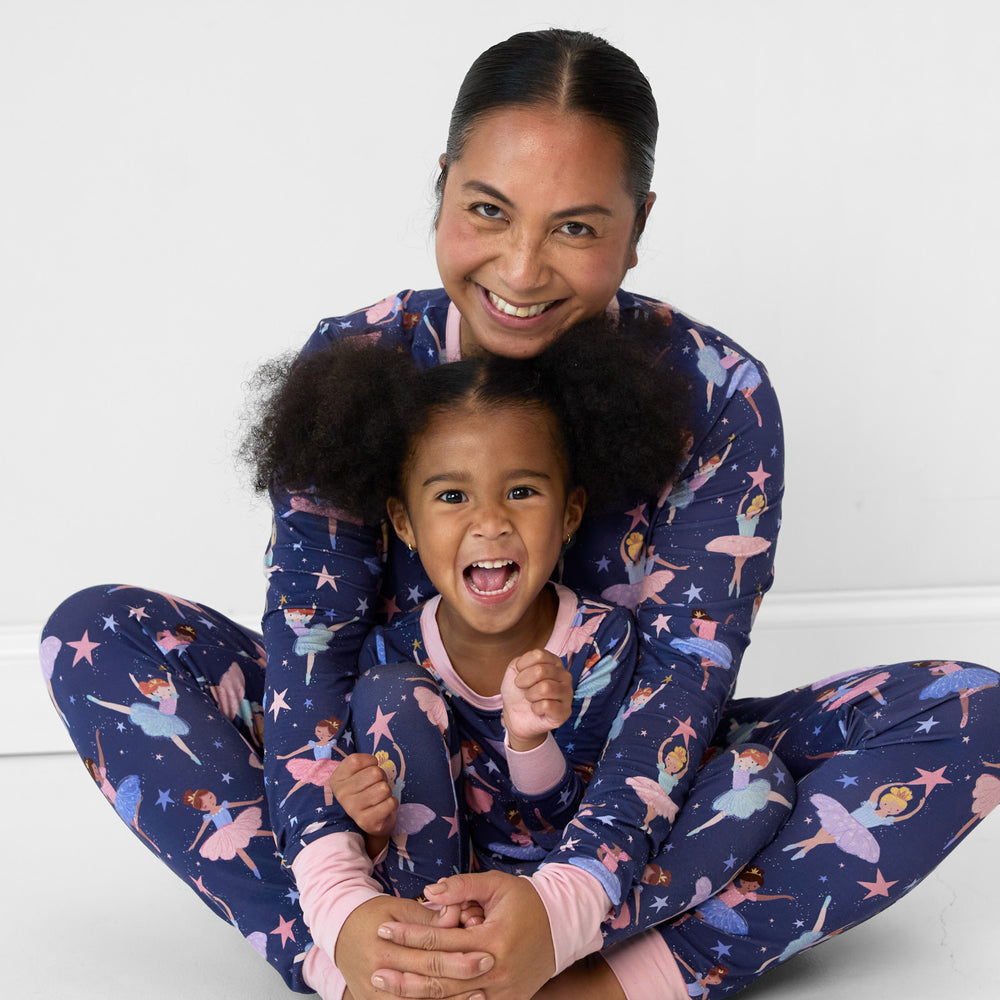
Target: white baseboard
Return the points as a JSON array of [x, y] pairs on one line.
[[798, 638]]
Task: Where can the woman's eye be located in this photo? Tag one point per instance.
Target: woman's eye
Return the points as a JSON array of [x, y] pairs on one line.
[[488, 211], [575, 229], [452, 496], [521, 493]]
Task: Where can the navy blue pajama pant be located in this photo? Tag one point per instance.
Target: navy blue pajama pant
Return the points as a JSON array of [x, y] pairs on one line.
[[891, 768]]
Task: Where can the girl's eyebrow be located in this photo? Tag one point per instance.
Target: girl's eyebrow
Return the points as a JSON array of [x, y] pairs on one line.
[[493, 194], [461, 477]]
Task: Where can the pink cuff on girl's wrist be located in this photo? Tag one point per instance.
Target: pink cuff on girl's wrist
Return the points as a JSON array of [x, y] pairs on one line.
[[535, 772]]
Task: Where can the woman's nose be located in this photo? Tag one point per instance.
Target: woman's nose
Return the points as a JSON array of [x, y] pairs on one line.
[[523, 267]]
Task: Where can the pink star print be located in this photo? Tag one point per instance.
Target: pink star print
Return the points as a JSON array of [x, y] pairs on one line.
[[284, 928], [84, 648], [758, 476], [879, 887], [380, 727]]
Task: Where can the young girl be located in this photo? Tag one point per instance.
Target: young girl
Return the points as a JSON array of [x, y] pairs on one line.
[[487, 488], [479, 715]]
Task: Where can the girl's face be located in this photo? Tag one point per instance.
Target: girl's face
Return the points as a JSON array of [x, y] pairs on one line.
[[536, 229], [487, 510]]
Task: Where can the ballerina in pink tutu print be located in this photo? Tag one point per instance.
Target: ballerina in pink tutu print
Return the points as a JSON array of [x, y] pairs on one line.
[[745, 544], [645, 581], [985, 798], [231, 836], [318, 770], [655, 795]]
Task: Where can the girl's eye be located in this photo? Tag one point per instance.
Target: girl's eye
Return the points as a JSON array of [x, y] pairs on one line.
[[521, 493], [488, 211], [575, 229], [452, 496]]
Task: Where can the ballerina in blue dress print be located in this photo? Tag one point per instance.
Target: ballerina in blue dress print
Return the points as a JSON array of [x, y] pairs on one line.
[[951, 679], [126, 798], [161, 722], [746, 797]]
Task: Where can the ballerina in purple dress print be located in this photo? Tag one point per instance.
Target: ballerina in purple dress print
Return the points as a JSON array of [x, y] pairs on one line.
[[851, 831]]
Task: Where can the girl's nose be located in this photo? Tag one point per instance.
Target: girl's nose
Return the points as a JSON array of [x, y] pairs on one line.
[[491, 521]]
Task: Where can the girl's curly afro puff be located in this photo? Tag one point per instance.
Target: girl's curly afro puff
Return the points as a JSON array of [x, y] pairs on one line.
[[341, 422]]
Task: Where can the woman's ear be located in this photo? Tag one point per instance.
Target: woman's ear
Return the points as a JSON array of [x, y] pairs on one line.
[[401, 522], [642, 217], [575, 504]]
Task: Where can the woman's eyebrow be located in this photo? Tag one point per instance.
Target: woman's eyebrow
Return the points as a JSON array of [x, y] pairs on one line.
[[481, 187]]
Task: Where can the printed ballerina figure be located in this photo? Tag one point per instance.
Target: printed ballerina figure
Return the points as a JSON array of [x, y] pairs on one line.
[[411, 817], [655, 795], [126, 798], [161, 722], [47, 653], [231, 836], [745, 544], [832, 698], [702, 981], [952, 678], [596, 676], [851, 831], [681, 495], [719, 911], [711, 651], [176, 638], [318, 770], [746, 797], [639, 699], [806, 940], [310, 639], [645, 581], [985, 798]]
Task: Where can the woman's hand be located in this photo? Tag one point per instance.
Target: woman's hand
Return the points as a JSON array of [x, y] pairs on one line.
[[537, 692], [422, 969], [515, 931]]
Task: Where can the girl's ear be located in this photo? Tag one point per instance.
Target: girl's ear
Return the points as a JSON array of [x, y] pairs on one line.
[[575, 503], [401, 521]]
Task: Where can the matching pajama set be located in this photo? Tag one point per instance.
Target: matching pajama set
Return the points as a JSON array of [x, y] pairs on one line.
[[728, 833]]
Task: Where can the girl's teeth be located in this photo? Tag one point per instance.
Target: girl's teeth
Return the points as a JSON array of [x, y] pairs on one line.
[[521, 312]]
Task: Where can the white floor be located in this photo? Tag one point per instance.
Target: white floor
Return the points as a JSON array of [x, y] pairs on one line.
[[87, 913]]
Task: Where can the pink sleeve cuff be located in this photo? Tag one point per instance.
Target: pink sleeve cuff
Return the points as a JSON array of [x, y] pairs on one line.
[[535, 772], [576, 905], [334, 876]]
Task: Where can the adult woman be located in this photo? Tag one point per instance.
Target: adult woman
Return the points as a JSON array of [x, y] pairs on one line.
[[544, 193]]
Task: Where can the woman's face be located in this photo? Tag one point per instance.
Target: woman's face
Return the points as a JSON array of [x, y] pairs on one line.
[[536, 229]]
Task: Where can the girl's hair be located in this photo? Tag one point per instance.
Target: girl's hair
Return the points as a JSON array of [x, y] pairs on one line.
[[574, 71], [343, 421]]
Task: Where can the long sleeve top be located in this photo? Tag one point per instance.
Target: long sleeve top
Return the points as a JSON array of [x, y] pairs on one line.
[[693, 564]]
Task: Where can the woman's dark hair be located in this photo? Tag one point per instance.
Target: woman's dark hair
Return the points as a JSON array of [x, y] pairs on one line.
[[575, 71], [341, 422]]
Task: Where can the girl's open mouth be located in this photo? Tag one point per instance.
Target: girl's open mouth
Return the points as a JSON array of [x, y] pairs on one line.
[[492, 577]]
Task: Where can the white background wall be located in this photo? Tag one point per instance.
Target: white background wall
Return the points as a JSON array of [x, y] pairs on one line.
[[186, 187]]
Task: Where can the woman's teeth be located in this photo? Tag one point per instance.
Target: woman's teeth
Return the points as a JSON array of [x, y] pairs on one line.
[[521, 312]]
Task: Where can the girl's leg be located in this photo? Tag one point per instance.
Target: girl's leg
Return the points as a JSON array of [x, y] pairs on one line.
[[91, 645], [894, 785], [397, 711]]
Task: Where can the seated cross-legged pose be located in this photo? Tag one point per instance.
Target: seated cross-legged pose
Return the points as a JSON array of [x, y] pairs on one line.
[[544, 190]]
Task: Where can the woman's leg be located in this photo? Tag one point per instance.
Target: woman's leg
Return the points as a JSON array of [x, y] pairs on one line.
[[100, 651], [398, 712], [708, 846], [893, 770]]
